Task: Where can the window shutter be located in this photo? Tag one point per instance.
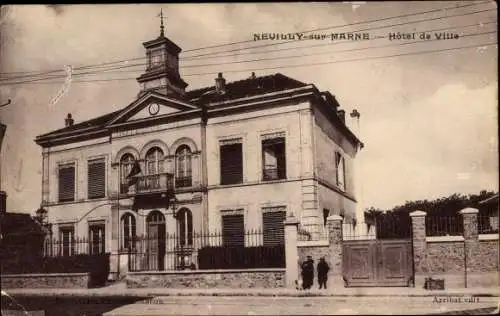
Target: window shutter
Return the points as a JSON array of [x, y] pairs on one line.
[[66, 183], [231, 163], [233, 230], [96, 179], [274, 229]]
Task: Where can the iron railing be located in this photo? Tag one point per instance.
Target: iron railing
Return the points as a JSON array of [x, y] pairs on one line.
[[313, 232], [206, 251], [269, 174], [75, 246], [382, 227], [487, 224], [183, 182], [153, 183], [444, 226]]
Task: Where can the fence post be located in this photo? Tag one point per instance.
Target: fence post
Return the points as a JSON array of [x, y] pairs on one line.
[[291, 251], [419, 247], [469, 216], [335, 235]]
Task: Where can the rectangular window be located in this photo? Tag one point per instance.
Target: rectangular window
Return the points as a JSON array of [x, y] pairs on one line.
[[96, 178], [273, 159], [67, 241], [274, 228], [97, 238], [340, 170], [231, 162], [326, 213], [67, 182], [233, 230]]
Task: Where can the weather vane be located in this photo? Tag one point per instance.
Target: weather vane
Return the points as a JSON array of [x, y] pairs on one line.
[[162, 28]]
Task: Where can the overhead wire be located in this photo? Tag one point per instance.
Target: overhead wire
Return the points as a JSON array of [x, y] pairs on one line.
[[311, 64], [28, 74], [116, 68]]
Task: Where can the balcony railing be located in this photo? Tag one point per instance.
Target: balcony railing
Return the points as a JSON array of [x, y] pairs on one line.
[[183, 182], [153, 183], [273, 174]]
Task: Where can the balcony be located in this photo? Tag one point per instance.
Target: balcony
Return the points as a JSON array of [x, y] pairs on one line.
[[183, 182], [152, 183]]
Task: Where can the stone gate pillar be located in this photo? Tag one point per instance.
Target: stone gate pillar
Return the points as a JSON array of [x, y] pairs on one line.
[[291, 251], [419, 247], [335, 278], [471, 240]]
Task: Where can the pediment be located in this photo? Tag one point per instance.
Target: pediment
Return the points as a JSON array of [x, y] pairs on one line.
[[151, 105]]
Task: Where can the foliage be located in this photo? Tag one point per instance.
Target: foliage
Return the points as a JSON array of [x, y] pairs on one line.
[[443, 215], [97, 265], [445, 206]]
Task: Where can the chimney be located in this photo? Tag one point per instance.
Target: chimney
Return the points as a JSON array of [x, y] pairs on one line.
[[341, 115], [68, 121], [220, 84], [253, 76]]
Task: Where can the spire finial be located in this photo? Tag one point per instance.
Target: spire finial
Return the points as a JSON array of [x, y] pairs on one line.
[[162, 28]]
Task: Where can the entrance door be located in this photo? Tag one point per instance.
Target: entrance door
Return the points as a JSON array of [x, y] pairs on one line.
[[156, 241], [377, 262]]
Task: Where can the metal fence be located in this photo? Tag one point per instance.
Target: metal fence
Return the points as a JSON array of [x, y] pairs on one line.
[[444, 226], [53, 247], [487, 224], [215, 250], [383, 227], [313, 232]]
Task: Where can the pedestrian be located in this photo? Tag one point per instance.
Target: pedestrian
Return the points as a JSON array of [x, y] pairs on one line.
[[308, 273], [323, 269]]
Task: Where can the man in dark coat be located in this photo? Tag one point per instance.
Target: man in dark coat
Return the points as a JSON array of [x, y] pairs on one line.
[[323, 269], [308, 273]]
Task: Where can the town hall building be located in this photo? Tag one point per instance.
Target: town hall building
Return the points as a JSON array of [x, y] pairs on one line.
[[228, 158]]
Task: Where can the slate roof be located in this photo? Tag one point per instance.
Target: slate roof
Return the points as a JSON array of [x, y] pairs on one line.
[[245, 88], [234, 90], [94, 123]]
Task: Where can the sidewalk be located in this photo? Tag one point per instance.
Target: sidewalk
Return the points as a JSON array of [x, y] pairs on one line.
[[120, 290]]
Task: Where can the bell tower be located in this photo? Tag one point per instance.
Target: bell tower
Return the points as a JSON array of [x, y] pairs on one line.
[[162, 67]]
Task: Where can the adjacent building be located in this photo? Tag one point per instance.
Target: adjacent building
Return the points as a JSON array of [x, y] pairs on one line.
[[231, 157]]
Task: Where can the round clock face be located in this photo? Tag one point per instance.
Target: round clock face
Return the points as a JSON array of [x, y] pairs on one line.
[[154, 109]]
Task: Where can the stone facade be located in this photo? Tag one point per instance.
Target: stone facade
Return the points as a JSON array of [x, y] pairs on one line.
[[443, 257], [46, 280], [316, 252], [257, 278], [485, 257]]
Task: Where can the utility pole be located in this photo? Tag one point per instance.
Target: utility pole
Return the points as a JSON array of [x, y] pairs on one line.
[[3, 195]]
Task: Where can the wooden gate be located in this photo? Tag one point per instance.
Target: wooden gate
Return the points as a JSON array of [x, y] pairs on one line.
[[377, 262], [384, 258]]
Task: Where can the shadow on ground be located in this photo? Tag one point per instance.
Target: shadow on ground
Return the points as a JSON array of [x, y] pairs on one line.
[[63, 306]]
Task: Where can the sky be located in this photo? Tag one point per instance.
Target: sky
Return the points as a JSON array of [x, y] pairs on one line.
[[428, 121]]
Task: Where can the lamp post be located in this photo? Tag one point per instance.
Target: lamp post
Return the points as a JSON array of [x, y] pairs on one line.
[[118, 191]]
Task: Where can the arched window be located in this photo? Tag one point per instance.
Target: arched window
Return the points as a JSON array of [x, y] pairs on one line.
[[155, 217], [126, 164], [154, 167], [128, 231], [185, 227], [183, 167], [154, 161]]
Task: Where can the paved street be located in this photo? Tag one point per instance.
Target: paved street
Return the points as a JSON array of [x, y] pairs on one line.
[[301, 306]]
